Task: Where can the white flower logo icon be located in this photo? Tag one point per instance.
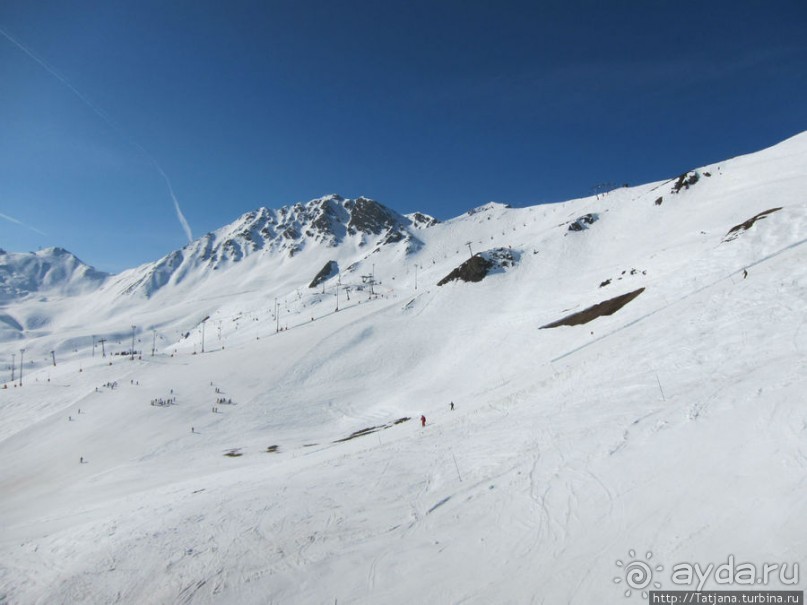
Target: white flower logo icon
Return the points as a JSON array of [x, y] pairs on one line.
[[638, 573]]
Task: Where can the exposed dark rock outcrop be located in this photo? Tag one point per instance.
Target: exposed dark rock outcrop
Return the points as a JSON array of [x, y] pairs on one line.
[[330, 269], [685, 181], [582, 223], [473, 270], [368, 216], [421, 220], [736, 230], [606, 307], [480, 265]]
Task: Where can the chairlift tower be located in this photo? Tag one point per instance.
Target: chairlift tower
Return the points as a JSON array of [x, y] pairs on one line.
[[203, 332]]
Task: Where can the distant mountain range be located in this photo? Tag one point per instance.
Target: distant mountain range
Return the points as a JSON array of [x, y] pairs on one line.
[[330, 221]]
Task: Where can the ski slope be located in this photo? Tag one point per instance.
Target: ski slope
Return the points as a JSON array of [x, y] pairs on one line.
[[674, 426]]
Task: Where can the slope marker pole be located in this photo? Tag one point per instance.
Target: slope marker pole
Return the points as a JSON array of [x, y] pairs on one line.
[[456, 466], [659, 387]]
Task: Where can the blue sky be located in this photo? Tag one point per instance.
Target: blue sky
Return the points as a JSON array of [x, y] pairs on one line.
[[437, 106]]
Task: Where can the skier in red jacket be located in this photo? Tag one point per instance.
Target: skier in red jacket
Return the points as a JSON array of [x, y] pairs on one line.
[[422, 421]]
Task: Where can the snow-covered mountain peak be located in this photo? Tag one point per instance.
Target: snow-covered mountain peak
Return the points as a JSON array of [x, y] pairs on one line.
[[329, 221], [489, 207], [421, 221], [53, 270]]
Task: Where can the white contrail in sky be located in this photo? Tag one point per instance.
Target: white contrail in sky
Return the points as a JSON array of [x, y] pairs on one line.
[[11, 219], [57, 75], [182, 220], [101, 114]]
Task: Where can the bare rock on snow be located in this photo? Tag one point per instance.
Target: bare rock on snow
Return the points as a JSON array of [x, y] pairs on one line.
[[736, 230], [330, 269], [685, 181], [479, 266], [606, 307], [582, 223]]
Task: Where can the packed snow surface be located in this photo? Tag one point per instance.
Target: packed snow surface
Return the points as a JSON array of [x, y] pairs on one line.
[[212, 463]]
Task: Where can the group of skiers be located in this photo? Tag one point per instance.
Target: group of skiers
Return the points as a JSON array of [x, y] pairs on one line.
[[164, 402], [423, 417]]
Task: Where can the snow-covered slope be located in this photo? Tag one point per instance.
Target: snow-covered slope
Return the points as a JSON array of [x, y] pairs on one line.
[[292, 468]]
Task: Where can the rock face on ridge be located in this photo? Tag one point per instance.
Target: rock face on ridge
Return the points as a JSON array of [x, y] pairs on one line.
[[422, 221]]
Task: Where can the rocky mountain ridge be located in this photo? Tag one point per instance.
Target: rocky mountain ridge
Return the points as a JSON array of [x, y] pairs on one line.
[[328, 222]]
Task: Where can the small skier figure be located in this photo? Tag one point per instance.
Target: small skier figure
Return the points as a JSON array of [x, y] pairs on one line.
[[192, 431], [452, 406], [81, 460], [745, 273], [422, 421]]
